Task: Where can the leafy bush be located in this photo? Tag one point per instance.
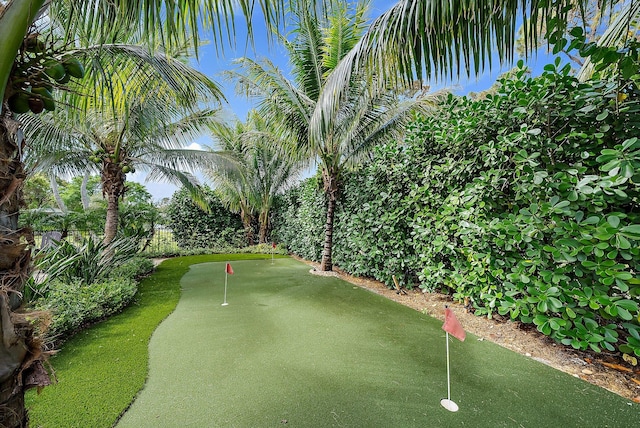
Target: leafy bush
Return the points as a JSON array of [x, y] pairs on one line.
[[133, 268], [195, 228], [88, 261], [525, 202], [300, 218], [540, 223], [74, 304], [137, 221]]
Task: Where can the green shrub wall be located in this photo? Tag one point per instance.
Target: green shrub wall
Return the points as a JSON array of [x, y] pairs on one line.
[[525, 202], [195, 228], [299, 218]]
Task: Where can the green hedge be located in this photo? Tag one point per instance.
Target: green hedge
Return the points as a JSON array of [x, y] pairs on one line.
[[194, 228], [525, 202], [74, 304], [299, 219]]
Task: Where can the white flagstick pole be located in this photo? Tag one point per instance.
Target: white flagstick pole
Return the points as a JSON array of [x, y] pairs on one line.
[[446, 402], [226, 275], [448, 371], [272, 251]]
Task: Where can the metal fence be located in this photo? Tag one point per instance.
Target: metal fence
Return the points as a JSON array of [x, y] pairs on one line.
[[162, 241]]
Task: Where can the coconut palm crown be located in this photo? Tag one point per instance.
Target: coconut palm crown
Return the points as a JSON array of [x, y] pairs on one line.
[[145, 129], [367, 114], [250, 169]]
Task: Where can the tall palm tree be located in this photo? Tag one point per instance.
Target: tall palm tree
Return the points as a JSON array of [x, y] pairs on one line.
[[251, 169], [160, 22], [367, 114], [229, 170], [150, 135]]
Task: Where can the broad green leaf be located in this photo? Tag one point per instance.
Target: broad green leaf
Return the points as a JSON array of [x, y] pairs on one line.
[[631, 143], [624, 314], [613, 220], [633, 229], [629, 305]]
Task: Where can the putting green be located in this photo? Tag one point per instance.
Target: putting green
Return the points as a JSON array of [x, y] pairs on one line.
[[313, 351]]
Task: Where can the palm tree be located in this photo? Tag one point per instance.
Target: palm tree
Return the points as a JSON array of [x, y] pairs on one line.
[[150, 135], [228, 172], [366, 114], [251, 169], [161, 23]]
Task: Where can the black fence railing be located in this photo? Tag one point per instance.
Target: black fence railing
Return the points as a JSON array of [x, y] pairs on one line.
[[162, 240]]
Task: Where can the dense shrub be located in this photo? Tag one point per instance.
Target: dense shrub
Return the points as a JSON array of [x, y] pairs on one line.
[[74, 304], [525, 202], [544, 228], [88, 260], [134, 268], [86, 282], [300, 218], [195, 228]]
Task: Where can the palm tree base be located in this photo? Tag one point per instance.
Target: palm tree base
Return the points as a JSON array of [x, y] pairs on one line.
[[12, 410]]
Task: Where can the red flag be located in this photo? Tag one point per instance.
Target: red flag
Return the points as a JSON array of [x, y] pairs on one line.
[[273, 244], [229, 269], [452, 326]]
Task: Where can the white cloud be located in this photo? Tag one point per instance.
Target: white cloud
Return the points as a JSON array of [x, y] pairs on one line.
[[194, 146]]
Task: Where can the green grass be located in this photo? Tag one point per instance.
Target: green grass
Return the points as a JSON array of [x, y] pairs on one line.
[[319, 352], [314, 351], [101, 369]]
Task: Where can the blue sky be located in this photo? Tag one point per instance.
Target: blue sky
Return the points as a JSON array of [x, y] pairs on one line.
[[214, 61]]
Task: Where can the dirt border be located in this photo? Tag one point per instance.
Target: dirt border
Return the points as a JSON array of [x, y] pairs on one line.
[[603, 370]]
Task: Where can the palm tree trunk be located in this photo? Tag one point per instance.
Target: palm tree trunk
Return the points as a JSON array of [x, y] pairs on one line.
[[331, 188], [111, 224], [248, 227], [113, 187], [263, 219], [84, 195], [56, 193], [20, 350]]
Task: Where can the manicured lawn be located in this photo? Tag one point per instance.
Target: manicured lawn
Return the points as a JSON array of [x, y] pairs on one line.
[[101, 369], [316, 351]]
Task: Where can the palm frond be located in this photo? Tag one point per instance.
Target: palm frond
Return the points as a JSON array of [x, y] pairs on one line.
[[55, 145], [305, 50], [438, 39], [342, 33], [280, 101], [161, 22], [615, 34], [119, 73]]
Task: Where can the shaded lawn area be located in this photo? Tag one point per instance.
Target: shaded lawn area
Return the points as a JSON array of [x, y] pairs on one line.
[[101, 369], [314, 351]]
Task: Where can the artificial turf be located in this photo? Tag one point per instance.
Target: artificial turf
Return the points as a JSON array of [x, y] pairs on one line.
[[101, 369], [308, 351]]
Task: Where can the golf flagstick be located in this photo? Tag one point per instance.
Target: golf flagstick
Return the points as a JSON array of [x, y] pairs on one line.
[[273, 249], [451, 325], [446, 402], [227, 270]]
